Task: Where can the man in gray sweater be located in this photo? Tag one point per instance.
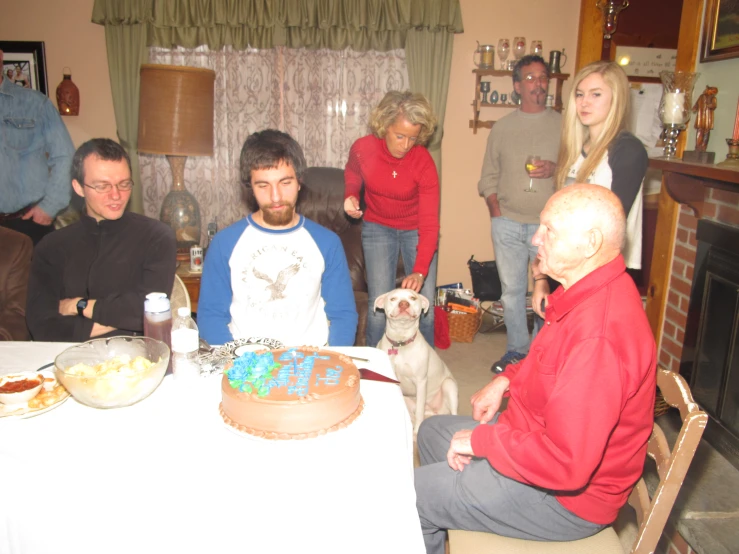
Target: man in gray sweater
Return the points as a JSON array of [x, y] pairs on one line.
[[515, 198]]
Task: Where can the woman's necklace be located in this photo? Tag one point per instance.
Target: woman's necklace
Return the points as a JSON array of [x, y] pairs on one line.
[[397, 164]]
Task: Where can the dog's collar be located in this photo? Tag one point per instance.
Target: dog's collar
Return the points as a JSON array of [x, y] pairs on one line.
[[396, 344]]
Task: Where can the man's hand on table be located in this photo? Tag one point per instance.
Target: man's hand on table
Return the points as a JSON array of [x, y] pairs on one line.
[[460, 450]]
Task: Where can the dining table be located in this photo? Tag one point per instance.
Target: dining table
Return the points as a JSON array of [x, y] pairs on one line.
[[167, 475]]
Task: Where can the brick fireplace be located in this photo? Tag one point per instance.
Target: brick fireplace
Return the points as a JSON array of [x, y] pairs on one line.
[[705, 193], [720, 206]]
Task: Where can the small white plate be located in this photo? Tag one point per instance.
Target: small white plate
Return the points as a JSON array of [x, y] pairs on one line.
[[237, 347], [26, 412]]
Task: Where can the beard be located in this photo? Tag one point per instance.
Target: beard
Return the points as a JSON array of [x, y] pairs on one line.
[[278, 218]]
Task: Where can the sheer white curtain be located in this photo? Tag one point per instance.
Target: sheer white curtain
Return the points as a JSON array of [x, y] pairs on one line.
[[321, 97]]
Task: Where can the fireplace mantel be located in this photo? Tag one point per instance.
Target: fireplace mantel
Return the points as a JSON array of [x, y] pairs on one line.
[[686, 183]]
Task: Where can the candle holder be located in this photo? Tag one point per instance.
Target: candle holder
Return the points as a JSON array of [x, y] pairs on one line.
[[675, 106], [732, 158], [671, 132]]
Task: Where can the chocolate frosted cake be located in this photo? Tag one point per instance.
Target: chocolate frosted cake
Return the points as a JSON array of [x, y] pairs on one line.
[[294, 393]]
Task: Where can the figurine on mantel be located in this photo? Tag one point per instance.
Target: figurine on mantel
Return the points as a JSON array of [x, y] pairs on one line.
[[703, 108]]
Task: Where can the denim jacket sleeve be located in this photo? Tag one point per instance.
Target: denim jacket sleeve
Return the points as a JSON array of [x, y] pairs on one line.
[[35, 152], [60, 150]]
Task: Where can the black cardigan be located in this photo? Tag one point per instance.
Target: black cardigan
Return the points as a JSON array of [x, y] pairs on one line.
[[116, 262]]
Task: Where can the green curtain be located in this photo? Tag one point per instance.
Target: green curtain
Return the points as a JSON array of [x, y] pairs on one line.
[[127, 50], [425, 28]]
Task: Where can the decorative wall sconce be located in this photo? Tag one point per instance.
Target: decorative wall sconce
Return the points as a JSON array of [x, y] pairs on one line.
[[68, 95], [611, 9]]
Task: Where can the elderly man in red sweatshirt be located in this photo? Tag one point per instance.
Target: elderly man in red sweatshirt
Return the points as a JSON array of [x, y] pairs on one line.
[[560, 461]]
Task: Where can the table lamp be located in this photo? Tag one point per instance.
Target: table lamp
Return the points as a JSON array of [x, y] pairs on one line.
[[176, 120]]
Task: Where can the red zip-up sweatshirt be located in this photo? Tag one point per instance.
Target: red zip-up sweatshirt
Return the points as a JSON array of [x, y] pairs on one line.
[[581, 404]]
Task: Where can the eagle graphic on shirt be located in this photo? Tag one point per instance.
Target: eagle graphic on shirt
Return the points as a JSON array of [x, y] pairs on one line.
[[277, 286]]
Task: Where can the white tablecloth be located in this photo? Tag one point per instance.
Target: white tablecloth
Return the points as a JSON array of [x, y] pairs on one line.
[[167, 476]]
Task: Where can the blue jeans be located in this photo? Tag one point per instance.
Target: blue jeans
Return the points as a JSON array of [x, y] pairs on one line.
[[513, 252], [381, 246]]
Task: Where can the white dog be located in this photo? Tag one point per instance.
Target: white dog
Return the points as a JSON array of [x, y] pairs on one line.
[[426, 382]]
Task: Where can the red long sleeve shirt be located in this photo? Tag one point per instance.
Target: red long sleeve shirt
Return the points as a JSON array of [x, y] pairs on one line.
[[401, 193], [581, 404]]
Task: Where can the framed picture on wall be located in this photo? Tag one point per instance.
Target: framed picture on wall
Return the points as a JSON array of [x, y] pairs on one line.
[[24, 64], [720, 30]]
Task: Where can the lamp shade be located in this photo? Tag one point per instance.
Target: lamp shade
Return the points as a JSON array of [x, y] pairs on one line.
[[176, 110]]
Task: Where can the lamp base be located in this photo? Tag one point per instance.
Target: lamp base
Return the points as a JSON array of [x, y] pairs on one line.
[[180, 211]]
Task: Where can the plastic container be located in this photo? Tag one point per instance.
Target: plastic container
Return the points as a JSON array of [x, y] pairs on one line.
[[185, 342], [158, 320]]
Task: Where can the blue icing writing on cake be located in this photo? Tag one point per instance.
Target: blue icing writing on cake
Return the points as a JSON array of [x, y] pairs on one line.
[[259, 373]]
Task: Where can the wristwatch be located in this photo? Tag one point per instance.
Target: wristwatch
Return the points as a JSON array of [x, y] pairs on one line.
[[81, 305]]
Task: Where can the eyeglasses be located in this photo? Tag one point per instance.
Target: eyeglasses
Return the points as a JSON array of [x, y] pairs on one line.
[[105, 188], [540, 78]]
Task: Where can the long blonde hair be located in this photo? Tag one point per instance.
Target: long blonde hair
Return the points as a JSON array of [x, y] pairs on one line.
[[575, 134]]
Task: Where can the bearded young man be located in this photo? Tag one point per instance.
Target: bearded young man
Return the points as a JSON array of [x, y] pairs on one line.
[[275, 273]]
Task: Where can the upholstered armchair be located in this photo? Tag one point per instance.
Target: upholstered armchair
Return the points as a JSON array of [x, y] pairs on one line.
[[15, 264], [322, 200]]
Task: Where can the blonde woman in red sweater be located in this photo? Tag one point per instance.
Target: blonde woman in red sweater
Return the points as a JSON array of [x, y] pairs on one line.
[[401, 193]]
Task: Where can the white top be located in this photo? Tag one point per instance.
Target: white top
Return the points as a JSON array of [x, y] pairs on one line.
[[166, 475]]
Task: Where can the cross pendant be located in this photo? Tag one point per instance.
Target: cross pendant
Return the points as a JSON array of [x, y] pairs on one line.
[[395, 174]]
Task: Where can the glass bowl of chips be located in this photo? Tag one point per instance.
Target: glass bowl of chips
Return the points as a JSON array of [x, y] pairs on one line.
[[112, 372]]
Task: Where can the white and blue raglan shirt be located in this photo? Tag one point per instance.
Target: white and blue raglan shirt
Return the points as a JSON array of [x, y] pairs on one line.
[[292, 285]]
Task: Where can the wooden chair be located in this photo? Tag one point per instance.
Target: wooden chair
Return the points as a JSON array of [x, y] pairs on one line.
[[179, 297], [651, 514]]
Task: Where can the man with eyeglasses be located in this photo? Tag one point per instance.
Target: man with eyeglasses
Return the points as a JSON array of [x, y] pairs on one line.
[[90, 279], [515, 198]]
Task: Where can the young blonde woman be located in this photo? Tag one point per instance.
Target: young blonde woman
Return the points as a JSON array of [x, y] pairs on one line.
[[596, 148], [401, 191]]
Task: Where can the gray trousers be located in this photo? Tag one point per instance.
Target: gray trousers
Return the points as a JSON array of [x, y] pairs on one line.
[[481, 499]]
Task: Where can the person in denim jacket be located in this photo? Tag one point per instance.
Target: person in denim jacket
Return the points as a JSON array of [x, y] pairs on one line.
[[35, 159]]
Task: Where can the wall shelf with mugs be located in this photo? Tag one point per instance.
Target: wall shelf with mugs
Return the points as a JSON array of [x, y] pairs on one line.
[[476, 122]]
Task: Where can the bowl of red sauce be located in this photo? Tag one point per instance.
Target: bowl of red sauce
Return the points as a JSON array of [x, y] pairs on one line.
[[19, 388]]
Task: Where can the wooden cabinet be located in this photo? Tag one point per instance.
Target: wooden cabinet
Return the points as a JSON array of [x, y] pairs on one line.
[[504, 84]]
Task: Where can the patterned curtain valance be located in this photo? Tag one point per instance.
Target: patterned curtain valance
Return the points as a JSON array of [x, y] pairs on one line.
[[336, 24]]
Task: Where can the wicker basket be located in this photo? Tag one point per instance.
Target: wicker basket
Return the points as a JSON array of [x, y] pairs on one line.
[[661, 406], [464, 327]]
